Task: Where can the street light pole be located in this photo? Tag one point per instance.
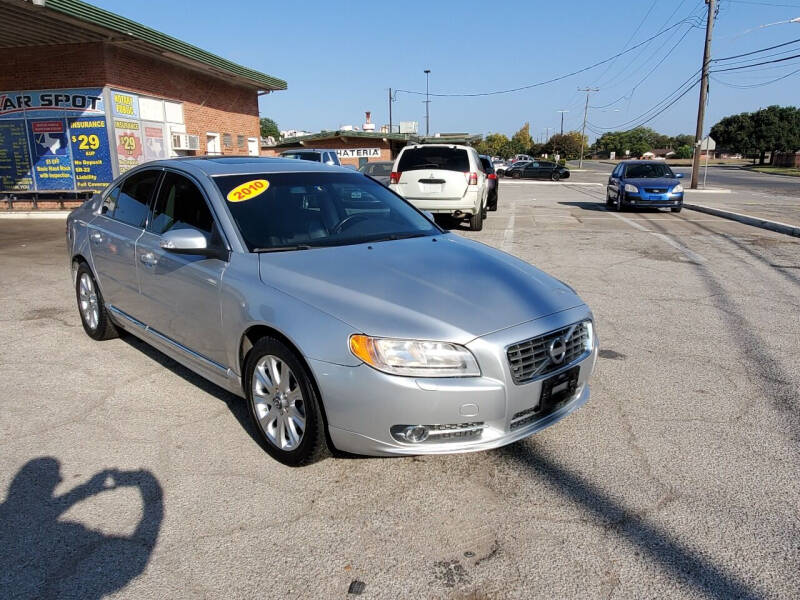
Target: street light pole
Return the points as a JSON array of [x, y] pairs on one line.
[[390, 110], [427, 104], [562, 120], [701, 110]]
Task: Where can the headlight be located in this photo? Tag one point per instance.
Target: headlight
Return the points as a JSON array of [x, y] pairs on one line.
[[631, 188], [415, 358], [677, 189]]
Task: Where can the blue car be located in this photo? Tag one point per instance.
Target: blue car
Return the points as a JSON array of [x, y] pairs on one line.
[[648, 183]]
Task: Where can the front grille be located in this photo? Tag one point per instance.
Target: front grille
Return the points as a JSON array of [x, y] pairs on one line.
[[531, 358], [656, 190]]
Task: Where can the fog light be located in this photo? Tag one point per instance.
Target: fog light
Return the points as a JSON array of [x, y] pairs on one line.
[[416, 433]]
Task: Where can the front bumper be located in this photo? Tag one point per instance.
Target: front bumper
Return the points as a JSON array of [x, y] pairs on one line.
[[362, 404], [652, 200]]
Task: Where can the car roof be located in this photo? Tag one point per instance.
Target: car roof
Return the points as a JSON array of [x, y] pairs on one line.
[[637, 161], [233, 165], [454, 146]]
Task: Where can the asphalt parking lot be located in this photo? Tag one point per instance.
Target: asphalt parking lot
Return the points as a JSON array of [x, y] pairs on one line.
[[679, 478]]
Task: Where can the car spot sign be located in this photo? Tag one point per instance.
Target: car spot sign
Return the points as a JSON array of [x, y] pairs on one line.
[[248, 190]]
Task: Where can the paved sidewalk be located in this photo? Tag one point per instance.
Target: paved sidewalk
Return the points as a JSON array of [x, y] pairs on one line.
[[782, 209]]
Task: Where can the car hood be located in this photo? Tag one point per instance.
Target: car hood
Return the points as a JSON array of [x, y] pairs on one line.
[[657, 182], [444, 287]]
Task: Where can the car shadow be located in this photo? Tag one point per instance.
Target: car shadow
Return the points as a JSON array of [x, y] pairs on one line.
[[45, 556], [673, 556], [235, 404]]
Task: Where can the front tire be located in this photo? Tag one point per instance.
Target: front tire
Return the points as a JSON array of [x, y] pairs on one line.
[[515, 174], [476, 221], [555, 176], [284, 404], [94, 317], [676, 209]]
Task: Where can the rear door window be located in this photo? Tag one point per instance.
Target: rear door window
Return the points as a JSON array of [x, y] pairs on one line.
[[134, 197], [445, 159], [312, 156]]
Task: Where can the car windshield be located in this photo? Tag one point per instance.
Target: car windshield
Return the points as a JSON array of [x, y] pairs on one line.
[[312, 156], [648, 171], [435, 157], [293, 211]]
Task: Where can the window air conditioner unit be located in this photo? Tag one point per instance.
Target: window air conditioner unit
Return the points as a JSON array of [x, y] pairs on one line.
[[184, 141]]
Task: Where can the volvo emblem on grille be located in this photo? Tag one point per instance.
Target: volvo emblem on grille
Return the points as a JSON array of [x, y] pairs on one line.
[[557, 350]]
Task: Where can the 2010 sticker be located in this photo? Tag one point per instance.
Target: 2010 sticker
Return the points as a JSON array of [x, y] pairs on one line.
[[248, 190]]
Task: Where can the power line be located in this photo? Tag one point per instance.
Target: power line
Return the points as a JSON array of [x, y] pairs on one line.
[[554, 79], [756, 51], [753, 85], [630, 39], [764, 3], [766, 62]]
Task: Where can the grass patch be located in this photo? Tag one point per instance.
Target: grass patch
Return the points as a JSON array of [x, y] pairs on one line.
[[793, 171]]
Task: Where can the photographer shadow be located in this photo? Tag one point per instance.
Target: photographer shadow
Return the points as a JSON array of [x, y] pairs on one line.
[[44, 556]]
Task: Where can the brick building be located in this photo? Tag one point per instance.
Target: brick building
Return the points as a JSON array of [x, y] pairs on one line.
[[86, 94]]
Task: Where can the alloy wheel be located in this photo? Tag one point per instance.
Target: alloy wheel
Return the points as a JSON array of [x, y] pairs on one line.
[[90, 309], [279, 404]]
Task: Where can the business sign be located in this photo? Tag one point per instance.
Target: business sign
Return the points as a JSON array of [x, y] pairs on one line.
[[54, 140], [359, 153], [128, 140], [154, 143], [91, 155], [125, 104], [15, 162]]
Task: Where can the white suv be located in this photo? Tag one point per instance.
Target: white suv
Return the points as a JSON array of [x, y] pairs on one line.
[[442, 178]]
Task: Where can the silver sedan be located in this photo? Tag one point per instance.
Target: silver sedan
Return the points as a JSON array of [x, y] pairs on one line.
[[341, 313]]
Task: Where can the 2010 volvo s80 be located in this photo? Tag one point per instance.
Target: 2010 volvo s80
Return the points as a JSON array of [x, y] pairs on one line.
[[341, 313]]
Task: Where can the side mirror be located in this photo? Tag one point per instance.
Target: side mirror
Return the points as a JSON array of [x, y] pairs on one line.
[[679, 175], [190, 241], [428, 214]]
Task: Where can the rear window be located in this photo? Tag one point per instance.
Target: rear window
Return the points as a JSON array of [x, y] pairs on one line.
[[445, 159], [378, 170], [312, 156]]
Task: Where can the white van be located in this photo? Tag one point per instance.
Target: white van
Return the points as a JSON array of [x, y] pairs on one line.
[[444, 179]]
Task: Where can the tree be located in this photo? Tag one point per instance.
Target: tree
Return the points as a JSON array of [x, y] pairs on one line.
[[682, 139], [772, 129], [522, 139], [269, 128], [495, 144], [684, 151], [567, 145]]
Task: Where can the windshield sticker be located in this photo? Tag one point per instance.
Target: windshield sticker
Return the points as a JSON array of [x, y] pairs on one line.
[[248, 190]]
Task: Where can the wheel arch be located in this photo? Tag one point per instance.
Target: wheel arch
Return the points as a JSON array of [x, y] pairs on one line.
[[258, 331]]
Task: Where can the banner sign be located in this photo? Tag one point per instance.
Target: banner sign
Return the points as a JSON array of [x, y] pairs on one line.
[[54, 140], [90, 153], [154, 144], [125, 104], [15, 162], [359, 153], [128, 138]]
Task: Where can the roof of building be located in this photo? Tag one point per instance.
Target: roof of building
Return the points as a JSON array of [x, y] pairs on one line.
[[41, 22], [375, 135]]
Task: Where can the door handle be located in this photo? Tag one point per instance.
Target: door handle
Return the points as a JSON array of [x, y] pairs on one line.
[[148, 259], [95, 237]]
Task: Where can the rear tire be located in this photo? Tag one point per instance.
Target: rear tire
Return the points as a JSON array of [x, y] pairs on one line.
[[94, 317], [476, 221], [555, 176], [287, 417], [516, 175]]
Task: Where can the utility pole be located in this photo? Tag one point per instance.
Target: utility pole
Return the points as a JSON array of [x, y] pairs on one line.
[[588, 91], [562, 120], [390, 110], [701, 110], [427, 104]]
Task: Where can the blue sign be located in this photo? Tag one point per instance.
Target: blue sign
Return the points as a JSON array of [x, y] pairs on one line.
[[52, 163], [15, 162], [51, 103], [91, 154]]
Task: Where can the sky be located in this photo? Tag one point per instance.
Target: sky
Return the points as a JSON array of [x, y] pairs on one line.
[[341, 58]]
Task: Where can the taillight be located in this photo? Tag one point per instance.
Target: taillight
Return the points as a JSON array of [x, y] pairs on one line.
[[492, 176], [473, 178], [394, 177]]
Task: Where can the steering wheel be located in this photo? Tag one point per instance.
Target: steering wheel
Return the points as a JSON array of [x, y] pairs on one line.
[[348, 221]]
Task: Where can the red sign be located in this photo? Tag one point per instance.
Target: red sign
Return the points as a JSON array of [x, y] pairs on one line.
[[47, 127]]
